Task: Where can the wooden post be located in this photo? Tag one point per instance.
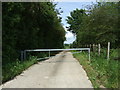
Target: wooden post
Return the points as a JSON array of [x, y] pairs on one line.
[[90, 45], [99, 49], [87, 45], [108, 51]]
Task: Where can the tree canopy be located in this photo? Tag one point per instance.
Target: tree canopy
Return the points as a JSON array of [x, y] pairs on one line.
[[30, 25], [98, 24]]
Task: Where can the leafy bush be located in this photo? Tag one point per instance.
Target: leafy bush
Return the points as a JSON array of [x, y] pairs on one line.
[[10, 70]]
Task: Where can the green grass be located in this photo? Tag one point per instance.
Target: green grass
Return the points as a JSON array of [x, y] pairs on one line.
[[101, 72], [10, 70]]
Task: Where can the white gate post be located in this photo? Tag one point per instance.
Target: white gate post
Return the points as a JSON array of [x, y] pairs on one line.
[[89, 54], [108, 51], [99, 49]]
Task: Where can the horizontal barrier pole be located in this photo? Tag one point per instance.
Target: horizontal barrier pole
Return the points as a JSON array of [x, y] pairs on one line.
[[58, 49], [81, 49]]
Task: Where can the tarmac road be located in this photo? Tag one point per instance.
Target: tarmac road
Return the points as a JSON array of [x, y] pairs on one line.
[[61, 71]]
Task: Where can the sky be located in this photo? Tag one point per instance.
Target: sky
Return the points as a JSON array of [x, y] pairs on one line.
[[67, 7]]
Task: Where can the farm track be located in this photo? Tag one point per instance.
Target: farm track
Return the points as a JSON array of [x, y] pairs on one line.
[[61, 71]]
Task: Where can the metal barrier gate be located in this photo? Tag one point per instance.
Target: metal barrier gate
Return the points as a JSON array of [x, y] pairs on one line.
[[23, 53]]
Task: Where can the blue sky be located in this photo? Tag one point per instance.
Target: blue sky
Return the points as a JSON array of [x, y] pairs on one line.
[[67, 7]]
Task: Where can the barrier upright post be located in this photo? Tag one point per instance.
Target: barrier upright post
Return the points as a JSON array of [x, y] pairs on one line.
[[49, 53], [24, 55], [89, 53]]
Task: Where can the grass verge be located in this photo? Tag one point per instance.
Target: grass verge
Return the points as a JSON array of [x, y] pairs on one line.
[[10, 70], [101, 72]]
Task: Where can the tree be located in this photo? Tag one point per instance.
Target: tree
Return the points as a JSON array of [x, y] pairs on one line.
[[30, 26], [97, 25]]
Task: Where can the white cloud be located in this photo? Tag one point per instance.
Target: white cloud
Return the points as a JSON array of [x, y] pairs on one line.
[[68, 34], [70, 37], [73, 0]]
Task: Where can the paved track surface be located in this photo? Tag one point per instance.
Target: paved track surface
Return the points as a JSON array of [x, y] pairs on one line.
[[61, 71]]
